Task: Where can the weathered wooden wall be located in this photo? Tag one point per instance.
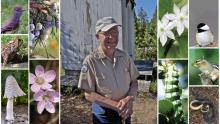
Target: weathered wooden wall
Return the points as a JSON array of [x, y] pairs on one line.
[[78, 19]]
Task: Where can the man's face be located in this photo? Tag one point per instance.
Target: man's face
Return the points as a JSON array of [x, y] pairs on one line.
[[109, 39]]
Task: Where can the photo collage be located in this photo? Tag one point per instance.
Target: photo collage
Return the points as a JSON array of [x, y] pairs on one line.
[[109, 61]]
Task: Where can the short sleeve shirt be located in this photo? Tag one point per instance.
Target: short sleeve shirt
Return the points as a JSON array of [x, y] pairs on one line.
[[108, 78]]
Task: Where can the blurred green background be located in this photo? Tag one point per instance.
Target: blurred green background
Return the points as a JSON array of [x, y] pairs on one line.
[[211, 55], [7, 8], [21, 77]]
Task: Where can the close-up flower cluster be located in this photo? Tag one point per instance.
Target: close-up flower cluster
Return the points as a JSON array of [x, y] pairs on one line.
[[41, 86], [169, 21], [44, 22]]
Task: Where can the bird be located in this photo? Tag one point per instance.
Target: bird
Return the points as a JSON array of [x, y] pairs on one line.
[[14, 21], [204, 36]]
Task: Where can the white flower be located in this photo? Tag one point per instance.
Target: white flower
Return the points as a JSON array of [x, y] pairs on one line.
[[179, 18], [164, 30]]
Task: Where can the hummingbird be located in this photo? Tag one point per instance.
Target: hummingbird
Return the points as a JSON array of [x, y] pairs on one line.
[[14, 21]]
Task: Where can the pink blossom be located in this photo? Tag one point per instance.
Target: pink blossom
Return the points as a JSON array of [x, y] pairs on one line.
[[46, 100], [41, 79]]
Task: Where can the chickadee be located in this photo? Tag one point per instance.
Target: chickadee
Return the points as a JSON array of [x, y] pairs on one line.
[[206, 67], [204, 36]]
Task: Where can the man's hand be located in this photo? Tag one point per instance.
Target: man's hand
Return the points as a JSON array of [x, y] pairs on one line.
[[125, 106]]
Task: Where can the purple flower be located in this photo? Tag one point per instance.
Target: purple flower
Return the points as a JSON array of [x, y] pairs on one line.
[[37, 33], [46, 100], [41, 79], [48, 24]]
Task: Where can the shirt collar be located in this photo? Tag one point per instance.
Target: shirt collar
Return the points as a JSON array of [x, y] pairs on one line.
[[99, 53]]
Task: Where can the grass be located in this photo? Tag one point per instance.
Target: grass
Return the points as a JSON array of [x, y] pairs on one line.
[[7, 10]]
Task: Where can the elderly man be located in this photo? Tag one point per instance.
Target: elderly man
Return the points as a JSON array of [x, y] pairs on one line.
[[108, 77]]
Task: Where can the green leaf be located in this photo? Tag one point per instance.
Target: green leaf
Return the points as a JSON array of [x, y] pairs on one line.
[[166, 108], [164, 7]]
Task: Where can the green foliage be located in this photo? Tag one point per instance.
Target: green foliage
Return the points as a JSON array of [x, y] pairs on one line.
[[211, 55], [171, 108], [22, 78], [145, 36], [7, 10], [23, 50], [166, 108], [153, 88], [179, 47]]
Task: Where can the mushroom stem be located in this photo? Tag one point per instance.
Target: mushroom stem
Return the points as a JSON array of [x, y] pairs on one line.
[[9, 110]]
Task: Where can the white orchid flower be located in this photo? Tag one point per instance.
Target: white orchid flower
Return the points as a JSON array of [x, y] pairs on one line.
[[179, 18], [164, 30]]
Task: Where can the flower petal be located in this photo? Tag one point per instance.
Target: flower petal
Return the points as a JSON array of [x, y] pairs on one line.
[[35, 88], [176, 9], [32, 78], [39, 70], [171, 16], [185, 22], [184, 9], [46, 86], [163, 39], [54, 95], [170, 34], [39, 96], [180, 28], [170, 26], [164, 20], [49, 76], [50, 107], [40, 106]]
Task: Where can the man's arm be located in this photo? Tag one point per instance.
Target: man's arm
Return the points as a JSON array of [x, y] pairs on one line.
[[126, 104], [133, 89], [101, 100]]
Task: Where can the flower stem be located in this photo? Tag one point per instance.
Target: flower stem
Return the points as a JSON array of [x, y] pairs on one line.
[[45, 49], [167, 47]]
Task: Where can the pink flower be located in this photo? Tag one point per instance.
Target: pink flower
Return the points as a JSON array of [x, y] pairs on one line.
[[47, 100], [41, 80]]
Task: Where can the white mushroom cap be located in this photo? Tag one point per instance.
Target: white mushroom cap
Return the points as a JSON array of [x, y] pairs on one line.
[[12, 88]]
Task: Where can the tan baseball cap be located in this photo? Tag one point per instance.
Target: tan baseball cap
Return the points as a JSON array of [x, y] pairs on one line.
[[105, 23]]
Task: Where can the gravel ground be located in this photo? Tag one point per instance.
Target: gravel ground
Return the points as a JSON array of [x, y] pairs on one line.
[[75, 109]]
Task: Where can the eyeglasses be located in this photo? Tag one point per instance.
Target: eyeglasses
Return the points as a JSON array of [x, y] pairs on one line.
[[112, 32]]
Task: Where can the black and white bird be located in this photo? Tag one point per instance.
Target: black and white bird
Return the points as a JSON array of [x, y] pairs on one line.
[[204, 36]]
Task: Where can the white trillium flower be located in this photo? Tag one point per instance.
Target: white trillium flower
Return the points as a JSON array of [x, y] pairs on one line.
[[179, 18], [164, 30]]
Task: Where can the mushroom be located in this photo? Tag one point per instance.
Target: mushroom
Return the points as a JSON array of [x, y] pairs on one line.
[[12, 90]]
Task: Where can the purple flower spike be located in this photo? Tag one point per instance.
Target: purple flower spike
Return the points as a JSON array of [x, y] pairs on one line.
[[46, 100], [48, 24], [41, 79]]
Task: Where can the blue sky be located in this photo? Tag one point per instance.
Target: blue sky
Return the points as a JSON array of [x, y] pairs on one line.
[[148, 5]]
